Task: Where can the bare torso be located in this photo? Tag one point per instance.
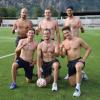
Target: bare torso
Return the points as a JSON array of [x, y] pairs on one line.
[[22, 27], [50, 24], [48, 51], [73, 48], [75, 24], [27, 51]]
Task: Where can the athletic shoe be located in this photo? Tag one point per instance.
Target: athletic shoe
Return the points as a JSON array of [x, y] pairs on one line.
[[77, 93], [84, 76], [13, 86], [66, 77], [54, 87]]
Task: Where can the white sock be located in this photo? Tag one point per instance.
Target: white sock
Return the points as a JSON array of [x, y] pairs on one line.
[[54, 82], [78, 86]]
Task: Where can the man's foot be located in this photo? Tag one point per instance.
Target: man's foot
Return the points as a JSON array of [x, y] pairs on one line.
[[28, 80], [84, 76], [66, 77], [77, 93], [54, 87], [13, 86]]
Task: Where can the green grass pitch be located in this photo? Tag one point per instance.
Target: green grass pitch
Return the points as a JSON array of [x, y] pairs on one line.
[[90, 89]]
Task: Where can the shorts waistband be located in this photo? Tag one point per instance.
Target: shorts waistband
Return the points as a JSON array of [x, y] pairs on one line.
[[74, 60]]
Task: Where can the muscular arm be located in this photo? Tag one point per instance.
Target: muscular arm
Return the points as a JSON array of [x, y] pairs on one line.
[[14, 27], [87, 47], [81, 26], [20, 46], [56, 49], [30, 25], [62, 50], [39, 61], [35, 55], [38, 28], [58, 34]]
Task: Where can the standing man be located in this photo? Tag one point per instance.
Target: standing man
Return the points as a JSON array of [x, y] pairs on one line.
[[50, 23], [21, 27], [71, 47], [27, 48], [76, 26], [73, 22], [47, 51]]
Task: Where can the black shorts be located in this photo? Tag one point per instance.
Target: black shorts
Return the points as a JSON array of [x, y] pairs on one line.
[[27, 67], [71, 66], [47, 67]]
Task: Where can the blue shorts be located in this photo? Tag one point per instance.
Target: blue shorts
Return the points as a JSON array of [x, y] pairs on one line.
[[27, 67], [71, 66], [47, 67]]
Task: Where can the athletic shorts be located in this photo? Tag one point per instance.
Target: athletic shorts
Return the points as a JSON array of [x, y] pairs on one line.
[[27, 67], [47, 67], [71, 66]]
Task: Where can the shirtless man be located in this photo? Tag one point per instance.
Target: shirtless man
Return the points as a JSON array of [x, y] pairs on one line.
[[27, 47], [71, 47], [47, 51], [73, 22], [76, 26], [22, 25], [50, 23]]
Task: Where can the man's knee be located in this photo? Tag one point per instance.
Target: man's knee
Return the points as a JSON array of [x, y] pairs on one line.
[[14, 65], [55, 65], [79, 67]]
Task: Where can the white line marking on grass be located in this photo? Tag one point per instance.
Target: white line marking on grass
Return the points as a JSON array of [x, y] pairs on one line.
[[8, 55], [10, 38]]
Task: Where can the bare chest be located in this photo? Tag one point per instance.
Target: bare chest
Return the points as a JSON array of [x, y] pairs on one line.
[[50, 25], [29, 47], [72, 45], [48, 48], [22, 25]]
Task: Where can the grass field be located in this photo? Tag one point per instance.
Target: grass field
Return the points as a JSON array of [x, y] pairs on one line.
[[90, 89]]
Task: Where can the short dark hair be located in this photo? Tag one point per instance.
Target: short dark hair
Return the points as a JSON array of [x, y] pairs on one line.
[[48, 8], [66, 28], [32, 30], [70, 7]]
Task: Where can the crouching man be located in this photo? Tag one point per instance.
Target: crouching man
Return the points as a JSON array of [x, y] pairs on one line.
[[71, 47], [47, 51], [27, 48]]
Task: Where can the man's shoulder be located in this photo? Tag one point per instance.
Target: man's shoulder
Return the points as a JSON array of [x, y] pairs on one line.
[[54, 20], [78, 38], [40, 43], [76, 18]]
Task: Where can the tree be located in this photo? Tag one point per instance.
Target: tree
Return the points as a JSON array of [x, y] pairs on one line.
[[37, 11], [3, 12], [7, 12], [11, 12], [54, 12]]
